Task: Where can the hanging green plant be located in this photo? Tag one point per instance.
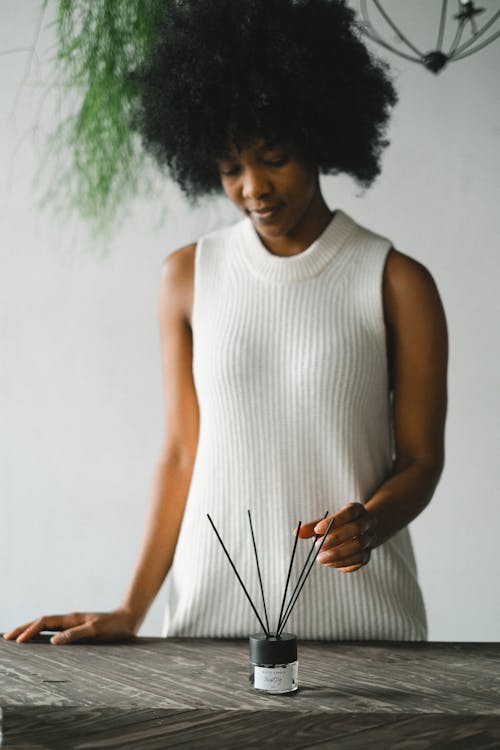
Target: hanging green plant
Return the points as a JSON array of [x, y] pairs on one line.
[[95, 158]]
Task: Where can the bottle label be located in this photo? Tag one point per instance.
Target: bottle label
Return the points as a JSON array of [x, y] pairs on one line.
[[279, 678]]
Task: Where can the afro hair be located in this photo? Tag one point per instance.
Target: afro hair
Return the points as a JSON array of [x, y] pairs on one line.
[[294, 71]]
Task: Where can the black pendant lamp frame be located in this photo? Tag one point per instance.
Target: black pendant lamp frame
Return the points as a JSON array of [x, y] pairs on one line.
[[436, 59]]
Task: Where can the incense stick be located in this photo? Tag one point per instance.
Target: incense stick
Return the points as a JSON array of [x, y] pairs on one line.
[[304, 574], [316, 537], [292, 602], [238, 577], [258, 570], [288, 577], [297, 590]]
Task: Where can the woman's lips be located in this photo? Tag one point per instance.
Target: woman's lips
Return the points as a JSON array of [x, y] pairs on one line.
[[266, 214]]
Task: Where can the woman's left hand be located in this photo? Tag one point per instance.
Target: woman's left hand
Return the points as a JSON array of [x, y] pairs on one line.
[[352, 537]]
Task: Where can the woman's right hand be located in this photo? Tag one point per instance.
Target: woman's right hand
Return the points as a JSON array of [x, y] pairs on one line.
[[77, 626]]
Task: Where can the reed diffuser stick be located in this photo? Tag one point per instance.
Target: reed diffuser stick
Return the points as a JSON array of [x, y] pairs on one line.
[[294, 600], [288, 576], [297, 584], [238, 577], [258, 571]]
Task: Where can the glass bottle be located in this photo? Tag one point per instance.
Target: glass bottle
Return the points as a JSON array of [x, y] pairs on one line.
[[273, 663]]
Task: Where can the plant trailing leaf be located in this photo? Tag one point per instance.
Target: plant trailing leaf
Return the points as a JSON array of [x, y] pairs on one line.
[[95, 156]]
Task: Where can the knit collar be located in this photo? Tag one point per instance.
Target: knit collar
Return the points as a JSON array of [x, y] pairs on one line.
[[305, 264]]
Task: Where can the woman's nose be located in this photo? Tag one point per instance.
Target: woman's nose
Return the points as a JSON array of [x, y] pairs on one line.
[[256, 184]]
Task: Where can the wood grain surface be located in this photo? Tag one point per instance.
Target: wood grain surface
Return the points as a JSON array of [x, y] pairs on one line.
[[162, 693]]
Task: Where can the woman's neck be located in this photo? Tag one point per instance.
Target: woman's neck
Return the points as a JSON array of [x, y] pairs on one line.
[[305, 232]]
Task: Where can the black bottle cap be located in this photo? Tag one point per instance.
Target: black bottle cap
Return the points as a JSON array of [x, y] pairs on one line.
[[272, 650]]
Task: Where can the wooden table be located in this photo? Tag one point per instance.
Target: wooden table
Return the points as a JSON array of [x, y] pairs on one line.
[[193, 693]]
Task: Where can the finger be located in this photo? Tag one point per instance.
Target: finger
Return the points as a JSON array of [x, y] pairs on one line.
[[347, 550], [351, 568], [307, 529], [337, 536], [347, 513], [15, 632], [348, 564], [47, 622], [72, 635]]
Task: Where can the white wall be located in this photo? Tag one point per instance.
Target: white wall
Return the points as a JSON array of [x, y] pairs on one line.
[[80, 387]]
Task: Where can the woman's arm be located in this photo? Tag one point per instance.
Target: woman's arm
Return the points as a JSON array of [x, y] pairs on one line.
[[418, 357], [172, 479], [173, 476]]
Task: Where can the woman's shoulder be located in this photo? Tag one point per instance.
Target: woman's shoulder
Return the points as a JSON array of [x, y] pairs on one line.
[[177, 277], [178, 264], [404, 274], [411, 295], [178, 268], [182, 258]]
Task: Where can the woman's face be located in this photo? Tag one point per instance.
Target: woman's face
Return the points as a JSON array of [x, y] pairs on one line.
[[271, 185]]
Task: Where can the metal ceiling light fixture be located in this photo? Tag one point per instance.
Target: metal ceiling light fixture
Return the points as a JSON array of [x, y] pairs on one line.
[[436, 59]]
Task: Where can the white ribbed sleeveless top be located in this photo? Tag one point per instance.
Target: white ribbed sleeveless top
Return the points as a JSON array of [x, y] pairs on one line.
[[290, 370]]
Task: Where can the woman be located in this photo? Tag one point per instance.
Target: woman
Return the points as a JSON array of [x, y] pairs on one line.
[[304, 357]]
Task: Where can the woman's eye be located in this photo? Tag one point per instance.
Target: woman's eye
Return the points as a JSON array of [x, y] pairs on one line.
[[229, 171], [278, 162]]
